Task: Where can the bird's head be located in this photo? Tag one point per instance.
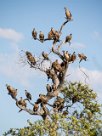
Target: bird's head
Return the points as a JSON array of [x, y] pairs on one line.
[[7, 85], [65, 8], [25, 90]]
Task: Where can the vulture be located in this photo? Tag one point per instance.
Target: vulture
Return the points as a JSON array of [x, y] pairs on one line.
[[43, 98], [72, 57], [82, 57], [30, 58], [36, 107], [66, 55], [41, 36], [48, 88], [56, 36], [54, 88], [68, 14], [68, 39], [59, 103], [34, 34], [45, 56], [56, 66], [50, 34], [12, 91], [22, 102], [53, 31], [28, 95]]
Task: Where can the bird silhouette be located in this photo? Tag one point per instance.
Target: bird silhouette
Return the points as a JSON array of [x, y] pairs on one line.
[[31, 58], [41, 36], [68, 14], [68, 39], [45, 56], [82, 57], [34, 34], [48, 88], [28, 95], [36, 107]]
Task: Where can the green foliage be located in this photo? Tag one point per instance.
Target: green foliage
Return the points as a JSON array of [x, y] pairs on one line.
[[77, 121]]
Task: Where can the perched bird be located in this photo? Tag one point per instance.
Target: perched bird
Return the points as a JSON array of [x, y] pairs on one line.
[[30, 58], [45, 111], [59, 103], [50, 73], [72, 57], [56, 36], [45, 56], [63, 65], [22, 102], [43, 98], [28, 95], [12, 91], [41, 36], [54, 87], [82, 57], [53, 31], [66, 55], [56, 66], [48, 88], [68, 14], [38, 101], [34, 34], [50, 34], [68, 39], [61, 100], [36, 107]]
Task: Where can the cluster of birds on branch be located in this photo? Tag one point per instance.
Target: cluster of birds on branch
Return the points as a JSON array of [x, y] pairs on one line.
[[53, 34], [13, 93], [56, 70]]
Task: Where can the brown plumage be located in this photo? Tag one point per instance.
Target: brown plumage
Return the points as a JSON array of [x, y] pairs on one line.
[[53, 31], [36, 107], [28, 95], [54, 88], [41, 36], [72, 57], [59, 103], [50, 73], [12, 91], [22, 102], [34, 34], [30, 58], [56, 66], [48, 88], [82, 57], [68, 39], [45, 56], [68, 14], [65, 113], [50, 34], [43, 98], [56, 36], [66, 55]]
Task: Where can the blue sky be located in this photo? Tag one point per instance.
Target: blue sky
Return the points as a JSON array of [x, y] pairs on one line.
[[17, 19]]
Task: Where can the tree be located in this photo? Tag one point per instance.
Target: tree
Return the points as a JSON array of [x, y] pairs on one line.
[[68, 108]]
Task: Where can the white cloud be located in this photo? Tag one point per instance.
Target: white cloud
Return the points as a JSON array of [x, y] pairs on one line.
[[11, 35], [10, 68], [94, 78]]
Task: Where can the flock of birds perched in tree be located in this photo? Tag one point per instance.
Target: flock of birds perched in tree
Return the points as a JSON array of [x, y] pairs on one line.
[[56, 72]]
